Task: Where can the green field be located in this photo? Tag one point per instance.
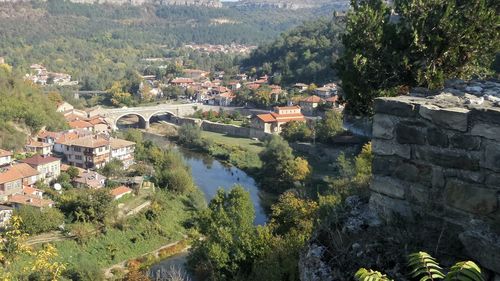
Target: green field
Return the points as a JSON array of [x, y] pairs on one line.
[[245, 143]]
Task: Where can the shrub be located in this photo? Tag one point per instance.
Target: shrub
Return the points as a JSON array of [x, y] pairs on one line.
[[39, 220]]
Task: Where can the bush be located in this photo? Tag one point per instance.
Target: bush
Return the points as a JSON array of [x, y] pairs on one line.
[[190, 135], [36, 220]]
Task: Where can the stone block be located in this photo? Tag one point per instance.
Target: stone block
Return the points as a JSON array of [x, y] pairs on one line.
[[487, 114], [471, 198], [387, 148], [403, 169], [451, 118], [491, 157], [493, 180], [390, 208], [395, 107], [410, 133], [388, 186], [447, 158], [467, 176], [417, 193], [482, 249], [466, 142], [437, 137], [383, 126], [438, 180], [486, 130]]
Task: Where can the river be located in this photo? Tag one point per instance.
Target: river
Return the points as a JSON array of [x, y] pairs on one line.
[[209, 175]]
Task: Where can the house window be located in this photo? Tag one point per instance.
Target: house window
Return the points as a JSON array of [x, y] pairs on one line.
[[77, 149], [78, 157]]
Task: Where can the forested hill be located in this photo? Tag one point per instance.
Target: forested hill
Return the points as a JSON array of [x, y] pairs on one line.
[[304, 54], [295, 4], [24, 109]]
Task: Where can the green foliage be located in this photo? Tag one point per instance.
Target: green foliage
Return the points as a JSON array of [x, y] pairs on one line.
[[281, 169], [35, 221], [113, 168], [87, 205], [227, 224], [18, 111], [296, 131], [329, 126], [424, 268], [190, 135], [424, 44], [369, 275], [304, 54]]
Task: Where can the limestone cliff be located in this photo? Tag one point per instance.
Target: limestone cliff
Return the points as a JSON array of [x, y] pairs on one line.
[[295, 4], [206, 3]]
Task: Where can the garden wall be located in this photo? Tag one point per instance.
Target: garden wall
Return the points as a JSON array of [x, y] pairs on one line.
[[231, 130], [437, 157]]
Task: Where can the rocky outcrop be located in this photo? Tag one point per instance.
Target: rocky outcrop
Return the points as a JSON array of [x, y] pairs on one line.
[[205, 3], [295, 4], [437, 156]]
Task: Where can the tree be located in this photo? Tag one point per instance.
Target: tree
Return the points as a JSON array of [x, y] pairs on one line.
[[296, 131], [177, 179], [86, 205], [36, 220], [423, 44], [227, 225], [45, 266], [190, 135], [14, 240], [73, 172], [330, 126], [281, 169], [113, 168]]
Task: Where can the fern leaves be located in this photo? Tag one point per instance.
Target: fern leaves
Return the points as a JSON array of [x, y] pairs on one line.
[[364, 274], [424, 267], [464, 271]]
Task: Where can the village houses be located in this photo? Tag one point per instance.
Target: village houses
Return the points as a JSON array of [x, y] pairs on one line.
[[122, 150], [48, 167], [89, 152]]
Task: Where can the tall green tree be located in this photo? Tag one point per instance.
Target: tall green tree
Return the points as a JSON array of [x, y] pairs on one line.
[[417, 43]]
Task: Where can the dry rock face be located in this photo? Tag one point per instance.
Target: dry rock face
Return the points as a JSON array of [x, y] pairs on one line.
[[206, 3], [437, 155]]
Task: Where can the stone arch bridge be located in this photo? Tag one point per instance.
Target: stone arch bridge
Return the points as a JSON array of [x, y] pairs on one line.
[[112, 115]]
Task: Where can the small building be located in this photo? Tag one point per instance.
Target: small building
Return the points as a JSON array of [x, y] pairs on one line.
[[64, 107], [29, 175], [18, 200], [99, 125], [272, 122], [5, 157], [310, 104], [89, 152], [33, 192], [81, 124], [224, 99], [49, 167], [11, 182], [120, 191], [182, 82], [38, 147], [195, 73], [301, 87], [5, 215], [90, 179], [122, 150]]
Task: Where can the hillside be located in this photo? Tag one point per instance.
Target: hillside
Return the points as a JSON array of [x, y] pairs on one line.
[[304, 54], [205, 3], [23, 109], [296, 4]]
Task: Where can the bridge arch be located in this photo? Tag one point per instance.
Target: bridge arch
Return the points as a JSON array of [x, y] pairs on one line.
[[158, 112], [143, 121]]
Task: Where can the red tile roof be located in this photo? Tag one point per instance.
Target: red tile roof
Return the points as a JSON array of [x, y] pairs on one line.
[[39, 160], [4, 153], [9, 175], [24, 169], [80, 124], [266, 118], [89, 141], [182, 80], [312, 99], [120, 191], [30, 200]]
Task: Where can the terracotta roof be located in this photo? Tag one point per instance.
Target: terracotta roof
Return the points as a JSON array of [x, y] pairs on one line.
[[4, 153], [228, 95], [120, 191], [46, 134], [252, 86], [33, 143], [97, 120], [332, 99], [312, 99], [91, 178], [30, 200], [24, 169], [40, 160], [119, 143], [182, 80], [79, 124], [9, 175], [66, 137], [28, 190], [65, 167], [92, 141], [288, 117], [266, 118]]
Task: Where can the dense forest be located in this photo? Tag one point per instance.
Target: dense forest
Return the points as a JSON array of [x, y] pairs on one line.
[[97, 44], [23, 109], [304, 54]]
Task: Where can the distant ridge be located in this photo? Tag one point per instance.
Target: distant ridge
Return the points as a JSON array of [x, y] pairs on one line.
[[294, 4], [205, 3]]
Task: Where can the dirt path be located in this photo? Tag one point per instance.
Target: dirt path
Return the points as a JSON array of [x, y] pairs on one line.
[[47, 237], [123, 264]]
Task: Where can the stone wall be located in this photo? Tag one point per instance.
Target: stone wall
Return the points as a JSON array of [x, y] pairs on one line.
[[228, 129], [437, 157]]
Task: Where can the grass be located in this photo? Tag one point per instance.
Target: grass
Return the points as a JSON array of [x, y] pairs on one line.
[[245, 143], [131, 202]]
